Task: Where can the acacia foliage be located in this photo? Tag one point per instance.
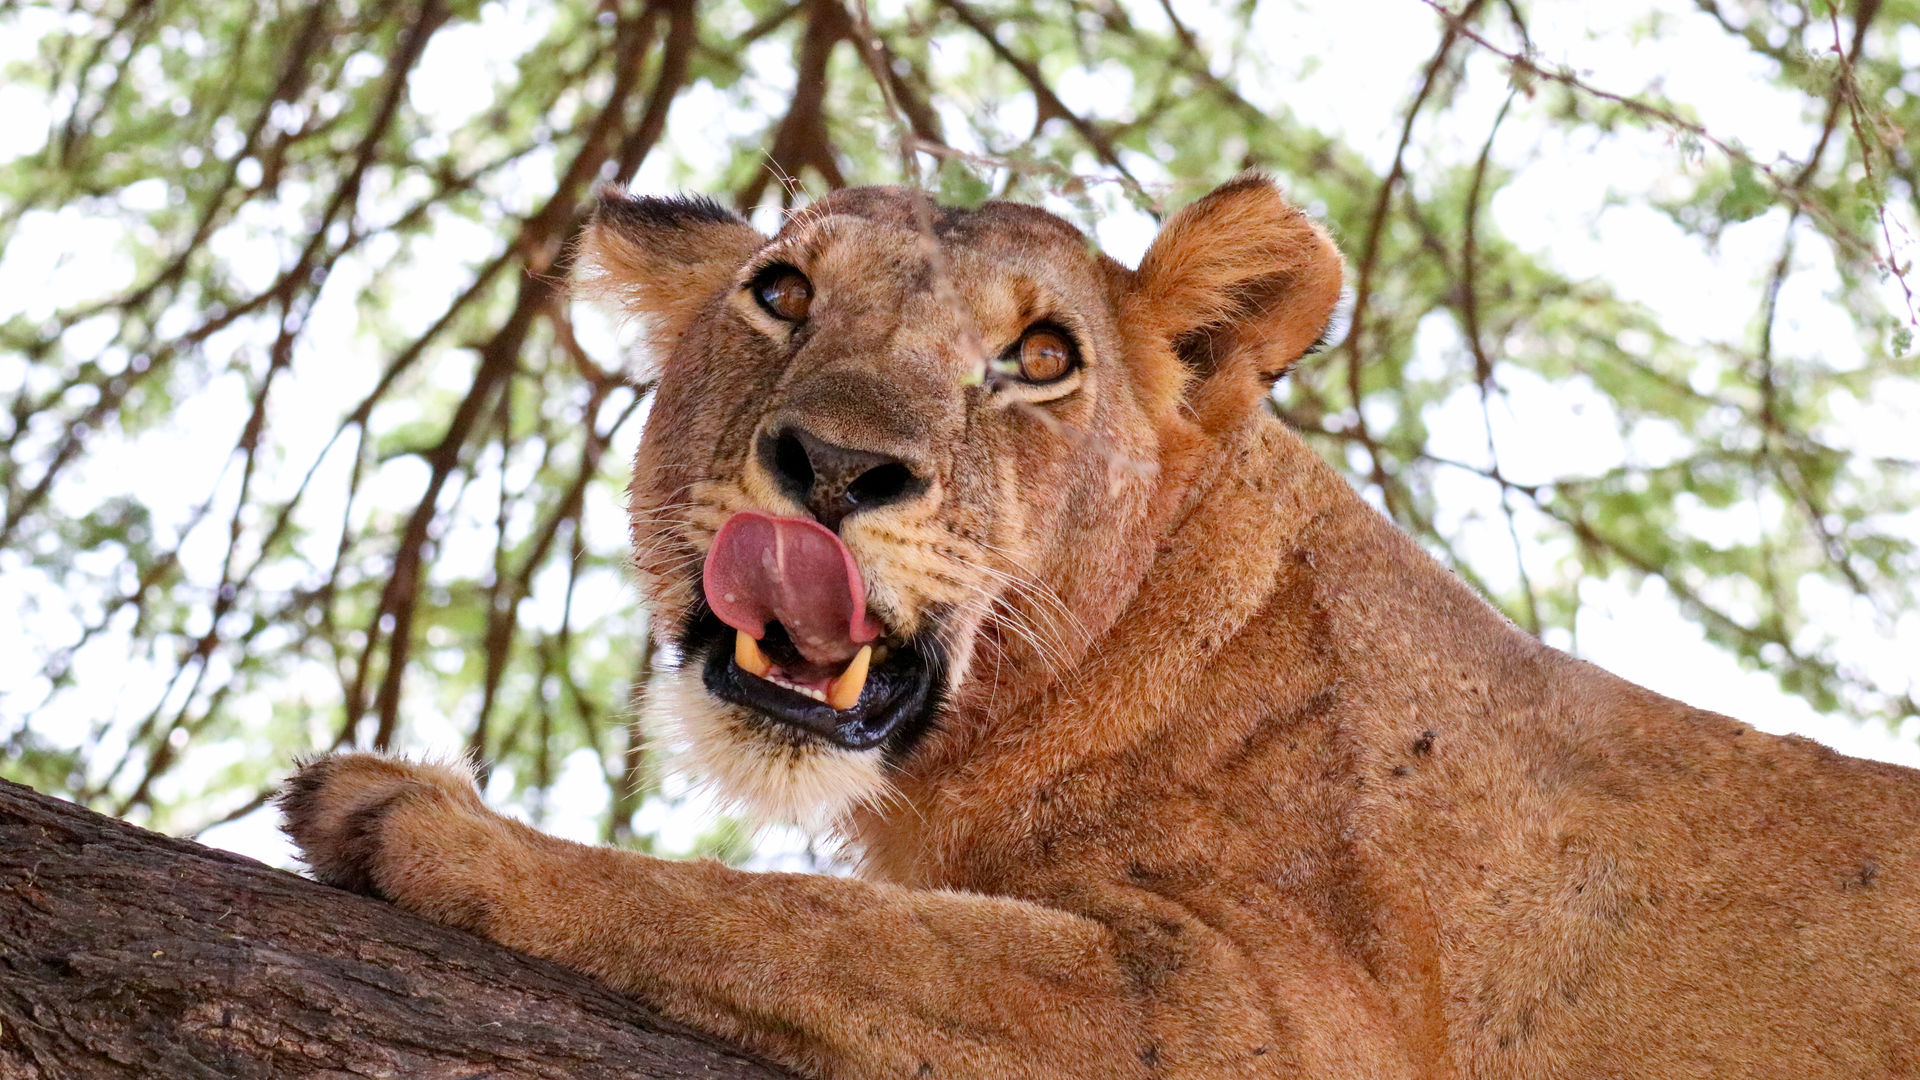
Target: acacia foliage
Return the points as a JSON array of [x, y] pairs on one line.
[[306, 446]]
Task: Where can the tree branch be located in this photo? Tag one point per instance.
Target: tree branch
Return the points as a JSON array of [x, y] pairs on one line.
[[126, 954]]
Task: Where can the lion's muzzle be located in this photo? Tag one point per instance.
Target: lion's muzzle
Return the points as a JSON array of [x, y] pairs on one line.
[[804, 649]]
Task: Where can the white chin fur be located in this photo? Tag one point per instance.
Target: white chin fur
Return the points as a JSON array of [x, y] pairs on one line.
[[762, 773]]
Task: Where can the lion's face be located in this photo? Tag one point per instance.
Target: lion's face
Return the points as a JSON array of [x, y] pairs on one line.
[[906, 463]]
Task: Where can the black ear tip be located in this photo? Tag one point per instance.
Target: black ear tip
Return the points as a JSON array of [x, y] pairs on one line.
[[618, 208], [1247, 179]]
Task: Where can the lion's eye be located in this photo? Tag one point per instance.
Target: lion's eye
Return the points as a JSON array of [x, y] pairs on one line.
[[784, 292], [1045, 355]]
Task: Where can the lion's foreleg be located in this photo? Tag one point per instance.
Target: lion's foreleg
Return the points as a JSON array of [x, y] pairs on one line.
[[838, 977]]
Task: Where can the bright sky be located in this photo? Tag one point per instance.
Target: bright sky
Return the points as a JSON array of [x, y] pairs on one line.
[[1345, 67]]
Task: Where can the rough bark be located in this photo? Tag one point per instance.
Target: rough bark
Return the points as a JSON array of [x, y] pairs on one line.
[[128, 954]]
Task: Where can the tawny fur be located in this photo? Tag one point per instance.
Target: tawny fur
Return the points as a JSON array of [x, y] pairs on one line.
[[1233, 779]]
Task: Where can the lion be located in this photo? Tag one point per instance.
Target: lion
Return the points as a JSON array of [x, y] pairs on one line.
[[1163, 753]]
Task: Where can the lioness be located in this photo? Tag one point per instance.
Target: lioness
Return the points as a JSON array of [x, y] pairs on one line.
[[1166, 755]]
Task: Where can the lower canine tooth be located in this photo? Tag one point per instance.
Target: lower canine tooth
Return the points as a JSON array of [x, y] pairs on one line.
[[845, 691], [748, 657]]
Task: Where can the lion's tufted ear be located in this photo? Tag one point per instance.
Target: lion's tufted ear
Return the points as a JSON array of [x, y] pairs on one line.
[[1241, 284], [661, 258]]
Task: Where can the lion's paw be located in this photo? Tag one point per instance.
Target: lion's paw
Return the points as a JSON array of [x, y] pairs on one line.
[[337, 809]]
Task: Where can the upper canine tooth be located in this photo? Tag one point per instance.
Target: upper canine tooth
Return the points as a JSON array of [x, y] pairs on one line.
[[845, 691], [748, 657]]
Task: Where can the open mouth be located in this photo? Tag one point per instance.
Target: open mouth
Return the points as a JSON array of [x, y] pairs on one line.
[[786, 633], [898, 694]]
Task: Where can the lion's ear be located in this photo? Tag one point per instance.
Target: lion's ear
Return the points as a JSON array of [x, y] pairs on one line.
[[661, 258], [1241, 284]]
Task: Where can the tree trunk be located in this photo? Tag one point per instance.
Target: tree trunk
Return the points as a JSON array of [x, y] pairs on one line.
[[128, 954]]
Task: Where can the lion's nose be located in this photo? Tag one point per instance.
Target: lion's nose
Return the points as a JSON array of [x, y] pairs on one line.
[[834, 481]]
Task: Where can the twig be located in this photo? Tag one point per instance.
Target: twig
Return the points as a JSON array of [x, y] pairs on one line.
[[1787, 188]]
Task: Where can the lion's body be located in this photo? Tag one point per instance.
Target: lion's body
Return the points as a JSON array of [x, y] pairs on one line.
[[1355, 759], [1289, 801]]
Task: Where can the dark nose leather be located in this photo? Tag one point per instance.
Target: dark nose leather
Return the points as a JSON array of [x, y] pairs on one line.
[[834, 481]]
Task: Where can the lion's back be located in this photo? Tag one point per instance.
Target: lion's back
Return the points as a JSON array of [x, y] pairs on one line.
[[1703, 891]]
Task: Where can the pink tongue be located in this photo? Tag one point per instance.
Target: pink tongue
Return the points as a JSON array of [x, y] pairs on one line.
[[793, 571]]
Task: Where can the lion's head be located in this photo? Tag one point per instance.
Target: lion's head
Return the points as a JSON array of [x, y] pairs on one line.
[[905, 463]]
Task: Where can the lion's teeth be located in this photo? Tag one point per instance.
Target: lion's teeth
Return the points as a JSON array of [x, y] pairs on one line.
[[845, 692], [747, 655]]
